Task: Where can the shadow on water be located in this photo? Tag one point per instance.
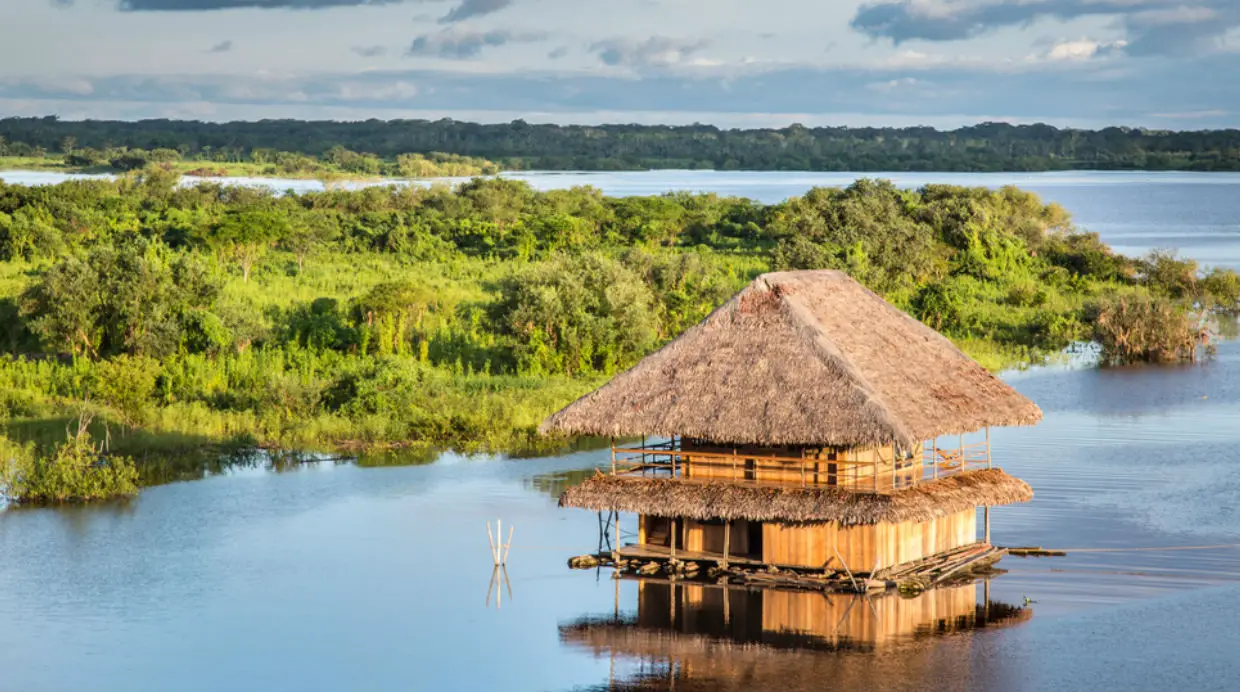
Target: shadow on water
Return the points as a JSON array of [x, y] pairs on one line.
[[695, 636]]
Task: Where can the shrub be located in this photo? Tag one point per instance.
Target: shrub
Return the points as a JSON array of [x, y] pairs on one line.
[[1140, 329], [76, 471]]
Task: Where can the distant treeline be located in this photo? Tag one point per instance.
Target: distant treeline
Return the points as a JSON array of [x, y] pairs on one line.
[[984, 147]]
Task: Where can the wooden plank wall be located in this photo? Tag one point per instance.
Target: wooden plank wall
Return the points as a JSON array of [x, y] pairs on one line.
[[863, 548], [703, 537], [819, 469]]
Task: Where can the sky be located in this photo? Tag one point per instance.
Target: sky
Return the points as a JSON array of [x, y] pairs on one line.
[[1172, 64]]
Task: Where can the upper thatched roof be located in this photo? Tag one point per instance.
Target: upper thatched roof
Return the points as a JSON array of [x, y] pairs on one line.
[[724, 499], [801, 358]]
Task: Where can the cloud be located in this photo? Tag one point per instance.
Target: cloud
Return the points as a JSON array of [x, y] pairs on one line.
[[221, 47], [473, 8], [208, 5], [894, 85], [452, 44], [370, 51], [1081, 50], [1152, 26], [653, 53], [558, 53]]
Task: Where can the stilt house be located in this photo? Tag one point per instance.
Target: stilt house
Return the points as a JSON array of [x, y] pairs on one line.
[[806, 423]]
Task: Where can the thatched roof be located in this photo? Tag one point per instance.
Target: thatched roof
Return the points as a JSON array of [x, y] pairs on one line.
[[725, 499], [801, 358]]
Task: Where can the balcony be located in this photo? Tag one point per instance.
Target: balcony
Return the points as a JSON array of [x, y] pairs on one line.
[[876, 470]]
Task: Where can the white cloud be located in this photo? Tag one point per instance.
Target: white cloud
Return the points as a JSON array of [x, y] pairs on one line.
[[1081, 50]]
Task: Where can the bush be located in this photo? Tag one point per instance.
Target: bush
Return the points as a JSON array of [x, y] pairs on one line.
[[76, 471], [1140, 329]]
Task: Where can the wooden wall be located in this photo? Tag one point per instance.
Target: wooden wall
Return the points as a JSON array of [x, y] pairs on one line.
[[820, 466], [708, 537], [862, 548], [865, 548]]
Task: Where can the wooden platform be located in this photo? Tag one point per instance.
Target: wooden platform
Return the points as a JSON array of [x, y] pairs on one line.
[[921, 574]]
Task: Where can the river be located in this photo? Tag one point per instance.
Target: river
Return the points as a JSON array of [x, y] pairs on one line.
[[331, 576]]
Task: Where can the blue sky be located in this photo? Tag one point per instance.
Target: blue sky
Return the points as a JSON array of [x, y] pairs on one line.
[[1153, 63]]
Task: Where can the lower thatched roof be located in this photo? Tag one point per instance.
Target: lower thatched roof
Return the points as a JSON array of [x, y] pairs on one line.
[[700, 500]]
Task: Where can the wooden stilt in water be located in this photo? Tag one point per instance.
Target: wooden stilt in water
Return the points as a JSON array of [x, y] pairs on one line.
[[615, 551], [986, 520], [727, 540], [674, 532], [613, 456]]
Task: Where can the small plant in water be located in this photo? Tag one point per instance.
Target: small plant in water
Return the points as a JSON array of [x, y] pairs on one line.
[[76, 471]]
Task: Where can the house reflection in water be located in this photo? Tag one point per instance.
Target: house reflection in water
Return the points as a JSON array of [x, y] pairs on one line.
[[706, 636]]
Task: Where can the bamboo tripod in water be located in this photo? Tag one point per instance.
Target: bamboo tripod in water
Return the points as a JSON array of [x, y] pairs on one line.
[[499, 553]]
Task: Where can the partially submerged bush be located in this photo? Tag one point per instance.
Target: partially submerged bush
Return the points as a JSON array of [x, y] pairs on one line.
[[1140, 329], [76, 471]]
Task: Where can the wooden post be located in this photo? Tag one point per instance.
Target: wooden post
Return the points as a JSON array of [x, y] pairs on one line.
[[615, 552], [673, 532], [727, 541], [613, 456], [986, 520], [802, 468], [988, 446], [733, 463]]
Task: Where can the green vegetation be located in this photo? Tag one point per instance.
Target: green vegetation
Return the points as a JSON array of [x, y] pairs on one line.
[[213, 317], [518, 145], [336, 163], [74, 471]]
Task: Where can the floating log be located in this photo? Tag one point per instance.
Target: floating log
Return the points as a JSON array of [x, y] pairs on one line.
[[1036, 551]]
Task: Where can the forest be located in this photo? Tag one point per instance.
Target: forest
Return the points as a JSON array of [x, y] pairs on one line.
[[520, 145], [173, 318]]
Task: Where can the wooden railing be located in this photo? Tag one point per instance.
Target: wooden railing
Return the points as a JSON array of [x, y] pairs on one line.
[[883, 473]]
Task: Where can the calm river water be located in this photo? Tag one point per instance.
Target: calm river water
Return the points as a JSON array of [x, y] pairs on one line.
[[332, 576]]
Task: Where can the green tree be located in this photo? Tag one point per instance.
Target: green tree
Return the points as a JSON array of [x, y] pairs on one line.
[[245, 236]]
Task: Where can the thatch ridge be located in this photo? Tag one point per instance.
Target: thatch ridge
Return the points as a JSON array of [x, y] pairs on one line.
[[723, 499], [801, 358]]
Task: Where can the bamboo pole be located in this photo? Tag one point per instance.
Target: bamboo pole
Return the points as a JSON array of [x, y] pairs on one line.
[[986, 518], [491, 540], [508, 547], [615, 551], [727, 540], [613, 456]]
